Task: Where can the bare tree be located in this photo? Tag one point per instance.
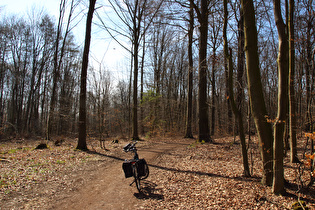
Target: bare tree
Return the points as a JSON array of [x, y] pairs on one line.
[[292, 106], [19, 40], [58, 56], [256, 96], [188, 133], [133, 14], [215, 30], [101, 102], [236, 110], [279, 127], [202, 15], [82, 111], [137, 11], [3, 71]]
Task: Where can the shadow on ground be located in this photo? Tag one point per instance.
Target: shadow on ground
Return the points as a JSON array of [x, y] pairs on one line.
[[148, 188], [147, 191]]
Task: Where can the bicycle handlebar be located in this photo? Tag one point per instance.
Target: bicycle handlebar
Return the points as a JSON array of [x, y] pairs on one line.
[[130, 147]]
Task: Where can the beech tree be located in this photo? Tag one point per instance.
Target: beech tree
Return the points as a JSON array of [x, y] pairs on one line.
[[255, 89], [235, 109], [85, 60], [279, 127], [292, 106], [203, 116], [188, 133]]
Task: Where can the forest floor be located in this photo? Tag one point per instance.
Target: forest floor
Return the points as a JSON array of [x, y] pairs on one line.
[[183, 175]]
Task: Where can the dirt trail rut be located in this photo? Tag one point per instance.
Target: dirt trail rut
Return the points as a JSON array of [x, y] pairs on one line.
[[110, 189]]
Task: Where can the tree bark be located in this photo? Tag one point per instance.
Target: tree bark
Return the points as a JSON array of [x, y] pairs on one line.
[[136, 37], [216, 27], [213, 99], [142, 132], [236, 111], [203, 124], [279, 127], [190, 74], [256, 96], [135, 95], [292, 107], [82, 110]]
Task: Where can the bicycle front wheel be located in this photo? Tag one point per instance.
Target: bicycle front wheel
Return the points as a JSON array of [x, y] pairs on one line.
[[137, 178]]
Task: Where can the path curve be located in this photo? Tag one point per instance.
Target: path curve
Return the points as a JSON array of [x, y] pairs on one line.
[[110, 189]]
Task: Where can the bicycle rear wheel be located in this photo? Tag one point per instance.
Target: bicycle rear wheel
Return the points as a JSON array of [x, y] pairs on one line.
[[146, 169], [137, 178]]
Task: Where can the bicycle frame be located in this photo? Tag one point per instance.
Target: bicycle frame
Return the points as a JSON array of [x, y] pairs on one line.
[[132, 148]]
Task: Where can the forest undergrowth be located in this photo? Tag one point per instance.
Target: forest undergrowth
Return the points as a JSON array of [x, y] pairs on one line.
[[198, 176]]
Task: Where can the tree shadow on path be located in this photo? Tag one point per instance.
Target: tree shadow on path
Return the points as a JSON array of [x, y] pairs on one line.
[[239, 178], [148, 187]]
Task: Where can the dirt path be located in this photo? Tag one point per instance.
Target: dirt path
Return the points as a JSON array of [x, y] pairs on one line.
[[110, 189]]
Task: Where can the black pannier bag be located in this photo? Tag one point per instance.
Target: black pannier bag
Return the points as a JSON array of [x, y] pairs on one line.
[[127, 167], [142, 164]]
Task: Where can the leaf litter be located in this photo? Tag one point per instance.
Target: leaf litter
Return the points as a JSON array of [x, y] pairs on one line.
[[209, 176], [199, 176]]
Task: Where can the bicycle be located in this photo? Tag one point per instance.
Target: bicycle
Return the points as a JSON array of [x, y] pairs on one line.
[[138, 168]]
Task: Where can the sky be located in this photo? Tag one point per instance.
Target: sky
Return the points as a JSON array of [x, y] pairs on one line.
[[103, 51], [22, 6]]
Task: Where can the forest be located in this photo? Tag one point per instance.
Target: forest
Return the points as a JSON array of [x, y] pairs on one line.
[[200, 69]]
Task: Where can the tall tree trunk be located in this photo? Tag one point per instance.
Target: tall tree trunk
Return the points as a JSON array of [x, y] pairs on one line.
[[214, 40], [2, 77], [240, 63], [240, 93], [129, 96], [279, 127], [55, 73], [256, 96], [82, 110], [136, 38], [292, 107], [135, 94], [309, 70], [142, 132], [190, 74], [213, 92], [57, 63], [229, 121], [203, 124], [30, 100], [236, 111]]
